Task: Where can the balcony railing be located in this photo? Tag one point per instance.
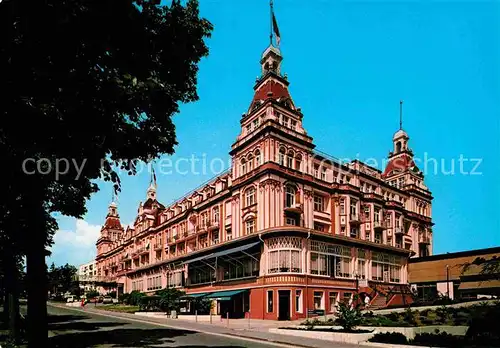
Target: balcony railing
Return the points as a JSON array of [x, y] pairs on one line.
[[398, 230], [158, 246], [355, 218], [378, 225]]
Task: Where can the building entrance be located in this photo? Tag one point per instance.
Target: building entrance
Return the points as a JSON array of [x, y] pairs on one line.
[[284, 305]]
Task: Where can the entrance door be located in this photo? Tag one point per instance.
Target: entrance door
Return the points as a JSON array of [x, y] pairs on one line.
[[284, 305]]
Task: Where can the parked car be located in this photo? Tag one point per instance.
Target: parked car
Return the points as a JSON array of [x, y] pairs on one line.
[[71, 299], [107, 300]]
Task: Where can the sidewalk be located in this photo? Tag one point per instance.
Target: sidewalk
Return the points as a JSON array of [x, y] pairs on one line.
[[237, 328]]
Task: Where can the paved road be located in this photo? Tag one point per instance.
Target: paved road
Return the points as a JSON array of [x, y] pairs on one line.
[[75, 329]]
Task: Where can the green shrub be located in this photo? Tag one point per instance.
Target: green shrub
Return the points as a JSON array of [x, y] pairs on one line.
[[124, 298], [389, 337], [135, 297], [150, 304], [442, 339], [483, 326], [91, 294], [349, 316]]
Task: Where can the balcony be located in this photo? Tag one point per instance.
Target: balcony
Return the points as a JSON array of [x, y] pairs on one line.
[[158, 246], [378, 226], [293, 208], [355, 219], [398, 230], [424, 237]]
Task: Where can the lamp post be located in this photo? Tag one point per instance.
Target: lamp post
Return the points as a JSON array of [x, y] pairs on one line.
[[448, 281]]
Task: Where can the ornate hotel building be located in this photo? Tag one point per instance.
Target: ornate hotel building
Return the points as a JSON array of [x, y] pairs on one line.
[[287, 231]]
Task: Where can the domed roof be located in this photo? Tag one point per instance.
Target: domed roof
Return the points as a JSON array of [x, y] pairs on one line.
[[400, 134]]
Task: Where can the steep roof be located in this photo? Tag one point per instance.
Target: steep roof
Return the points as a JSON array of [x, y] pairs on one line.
[[399, 164]]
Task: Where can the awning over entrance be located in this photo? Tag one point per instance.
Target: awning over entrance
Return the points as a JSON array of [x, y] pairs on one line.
[[224, 295], [477, 285], [201, 294], [223, 252]]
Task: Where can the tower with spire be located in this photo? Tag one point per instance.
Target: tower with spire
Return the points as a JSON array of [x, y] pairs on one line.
[[111, 230], [401, 169]]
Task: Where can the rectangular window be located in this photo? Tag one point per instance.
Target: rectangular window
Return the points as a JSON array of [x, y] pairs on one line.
[[316, 171], [270, 303], [378, 237], [347, 297], [291, 221], [294, 125], [319, 227], [319, 203], [342, 206], [298, 301], [323, 173], [249, 128], [332, 298], [318, 300], [354, 209]]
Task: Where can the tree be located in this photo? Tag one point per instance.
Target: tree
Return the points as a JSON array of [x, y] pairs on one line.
[[90, 87], [63, 279], [170, 299]]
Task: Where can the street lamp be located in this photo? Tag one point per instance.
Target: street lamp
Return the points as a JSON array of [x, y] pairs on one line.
[[448, 281]]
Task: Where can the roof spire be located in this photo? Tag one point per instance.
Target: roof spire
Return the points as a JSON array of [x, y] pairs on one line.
[[401, 114], [271, 26]]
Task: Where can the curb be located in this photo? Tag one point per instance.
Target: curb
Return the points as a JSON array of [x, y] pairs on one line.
[[390, 345]]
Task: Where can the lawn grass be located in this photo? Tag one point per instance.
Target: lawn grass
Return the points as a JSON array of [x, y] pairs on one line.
[[119, 308]]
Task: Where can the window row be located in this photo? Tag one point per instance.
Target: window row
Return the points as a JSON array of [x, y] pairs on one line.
[[153, 283], [251, 161]]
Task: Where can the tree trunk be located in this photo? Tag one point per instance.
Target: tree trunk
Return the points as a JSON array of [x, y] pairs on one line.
[[6, 306], [12, 298], [37, 292]]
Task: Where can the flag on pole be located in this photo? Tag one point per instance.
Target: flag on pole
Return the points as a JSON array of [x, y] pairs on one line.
[[275, 27]]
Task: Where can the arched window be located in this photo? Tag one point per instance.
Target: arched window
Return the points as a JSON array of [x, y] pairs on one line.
[[289, 196], [243, 166], [282, 157], [289, 159], [398, 146], [250, 226], [250, 162], [250, 197], [258, 159], [298, 162]]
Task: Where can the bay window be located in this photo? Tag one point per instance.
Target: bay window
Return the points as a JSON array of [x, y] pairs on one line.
[[285, 255]]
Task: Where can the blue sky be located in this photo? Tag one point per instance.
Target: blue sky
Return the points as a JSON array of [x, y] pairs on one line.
[[349, 64]]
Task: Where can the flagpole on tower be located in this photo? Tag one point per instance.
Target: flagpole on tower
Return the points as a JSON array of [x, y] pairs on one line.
[[271, 26]]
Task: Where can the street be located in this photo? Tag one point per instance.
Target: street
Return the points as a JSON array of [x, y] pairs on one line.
[[70, 328]]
